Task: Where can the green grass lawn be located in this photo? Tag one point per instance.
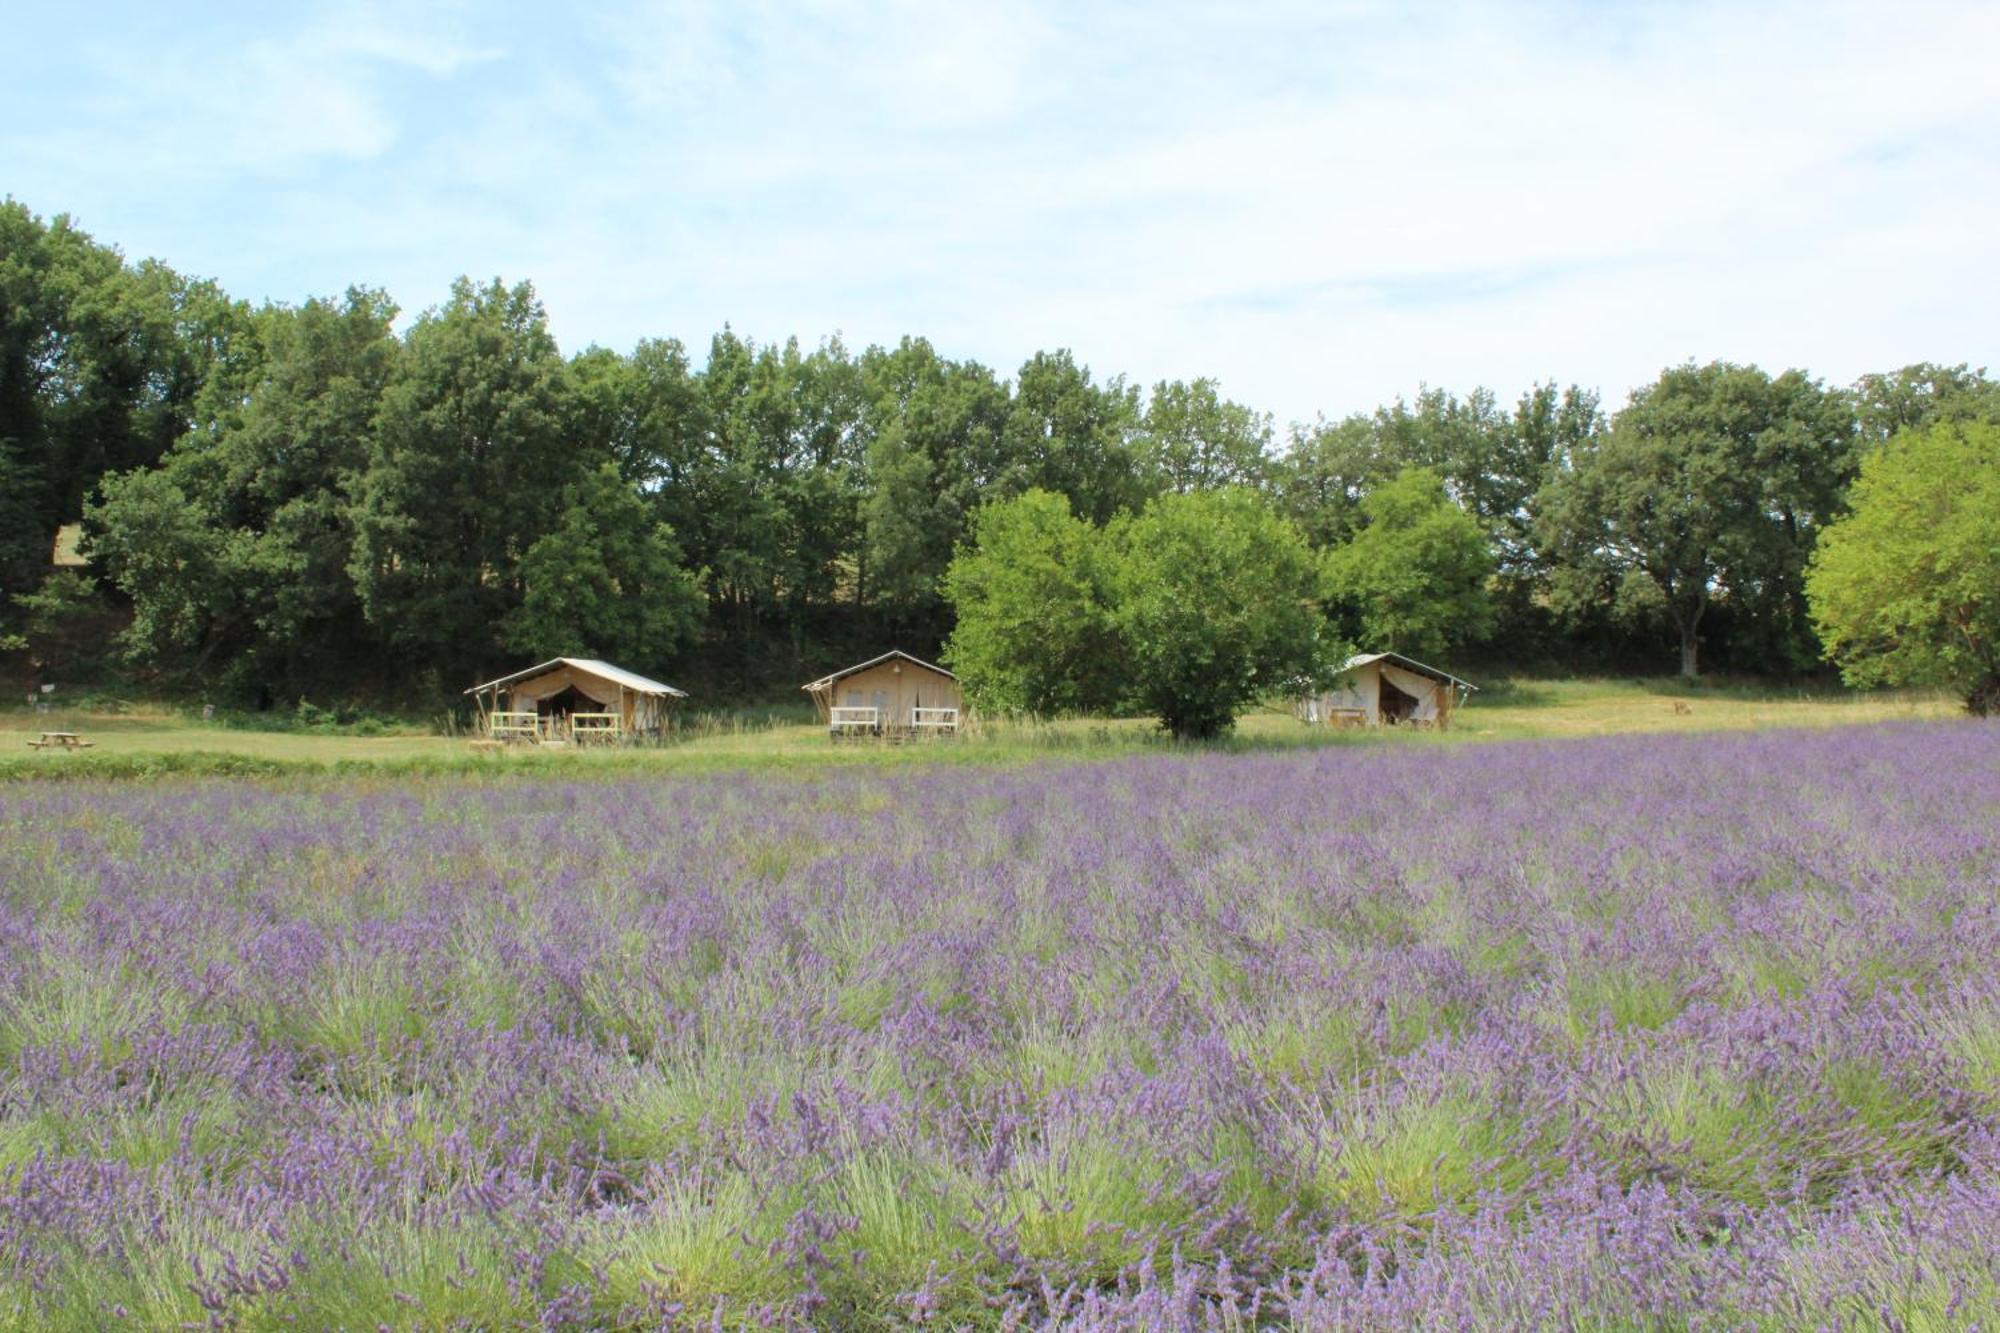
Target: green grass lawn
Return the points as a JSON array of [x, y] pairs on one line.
[[163, 739]]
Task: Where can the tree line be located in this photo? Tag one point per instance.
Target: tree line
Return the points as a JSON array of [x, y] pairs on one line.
[[289, 500]]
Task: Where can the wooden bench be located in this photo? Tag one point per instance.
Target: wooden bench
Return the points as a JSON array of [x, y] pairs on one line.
[[60, 740]]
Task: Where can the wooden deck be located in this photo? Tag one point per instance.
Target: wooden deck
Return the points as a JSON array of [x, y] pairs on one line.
[[848, 722], [523, 728]]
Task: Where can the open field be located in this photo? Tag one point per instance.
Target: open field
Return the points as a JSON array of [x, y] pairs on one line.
[[789, 739], [1641, 1031]]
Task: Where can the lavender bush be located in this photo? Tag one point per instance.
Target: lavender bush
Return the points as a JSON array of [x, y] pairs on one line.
[[1695, 1031]]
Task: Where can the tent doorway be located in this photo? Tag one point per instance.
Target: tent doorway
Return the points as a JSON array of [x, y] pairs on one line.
[[1397, 707], [569, 700]]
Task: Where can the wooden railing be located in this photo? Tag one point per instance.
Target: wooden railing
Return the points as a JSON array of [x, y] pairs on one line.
[[514, 726], [938, 720], [842, 720], [585, 728]]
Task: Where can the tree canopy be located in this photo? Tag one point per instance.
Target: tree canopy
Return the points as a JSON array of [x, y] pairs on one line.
[[1905, 588], [1215, 600], [320, 499], [1710, 486], [1032, 593], [1415, 578]]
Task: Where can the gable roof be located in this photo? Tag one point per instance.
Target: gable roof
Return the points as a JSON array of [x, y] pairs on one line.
[[825, 682], [1408, 664], [631, 680]]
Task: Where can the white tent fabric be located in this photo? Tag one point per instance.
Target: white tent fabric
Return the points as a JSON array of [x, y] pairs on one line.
[[1421, 688], [1352, 694]]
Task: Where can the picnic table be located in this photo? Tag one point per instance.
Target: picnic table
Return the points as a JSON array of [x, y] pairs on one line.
[[60, 740]]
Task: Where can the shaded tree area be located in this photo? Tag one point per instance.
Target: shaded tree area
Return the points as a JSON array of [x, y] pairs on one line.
[[332, 499]]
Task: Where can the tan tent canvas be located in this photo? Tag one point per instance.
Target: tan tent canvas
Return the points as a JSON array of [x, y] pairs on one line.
[[566, 686], [1386, 689], [894, 694]]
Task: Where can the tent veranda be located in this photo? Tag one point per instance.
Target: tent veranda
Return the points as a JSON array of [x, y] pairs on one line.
[[547, 701]]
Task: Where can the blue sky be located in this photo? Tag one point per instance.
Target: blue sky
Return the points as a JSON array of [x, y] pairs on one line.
[[1321, 205]]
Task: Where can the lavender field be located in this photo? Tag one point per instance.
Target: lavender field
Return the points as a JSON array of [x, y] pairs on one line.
[[1687, 1031]]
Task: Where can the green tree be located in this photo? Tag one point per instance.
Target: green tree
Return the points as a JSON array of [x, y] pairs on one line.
[[1711, 485], [101, 364], [1215, 602], [181, 562], [1193, 439], [468, 465], [1066, 433], [1414, 578], [1031, 592], [1905, 588], [606, 581], [60, 621], [905, 533], [1324, 471], [269, 474], [935, 430], [1922, 395]]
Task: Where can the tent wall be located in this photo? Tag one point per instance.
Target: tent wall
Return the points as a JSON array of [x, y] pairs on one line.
[[1360, 689], [895, 691]]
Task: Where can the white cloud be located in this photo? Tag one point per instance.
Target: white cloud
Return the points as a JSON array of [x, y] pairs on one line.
[[1320, 205]]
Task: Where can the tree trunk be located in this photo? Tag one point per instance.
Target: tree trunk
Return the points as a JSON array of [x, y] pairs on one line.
[[1690, 626]]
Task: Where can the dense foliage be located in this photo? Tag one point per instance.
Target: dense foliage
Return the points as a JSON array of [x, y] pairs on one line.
[[1676, 1032], [1214, 601], [1186, 611], [1033, 595], [304, 500], [1417, 575], [1906, 588]]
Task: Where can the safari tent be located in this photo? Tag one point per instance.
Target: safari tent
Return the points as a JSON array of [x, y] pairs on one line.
[[1386, 689], [894, 695], [573, 699]]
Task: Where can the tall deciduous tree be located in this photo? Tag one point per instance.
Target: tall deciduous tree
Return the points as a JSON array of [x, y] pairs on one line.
[[1326, 469], [1215, 601], [100, 366], [1032, 594], [468, 466], [1193, 439], [1068, 434], [1414, 579], [934, 457], [606, 581], [270, 473], [1906, 588], [1921, 395], [1712, 483]]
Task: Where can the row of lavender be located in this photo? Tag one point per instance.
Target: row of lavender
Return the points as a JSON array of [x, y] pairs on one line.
[[1699, 1030]]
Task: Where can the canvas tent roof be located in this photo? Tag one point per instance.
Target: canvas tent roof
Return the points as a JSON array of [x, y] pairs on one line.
[[631, 680], [827, 682], [1408, 664]]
